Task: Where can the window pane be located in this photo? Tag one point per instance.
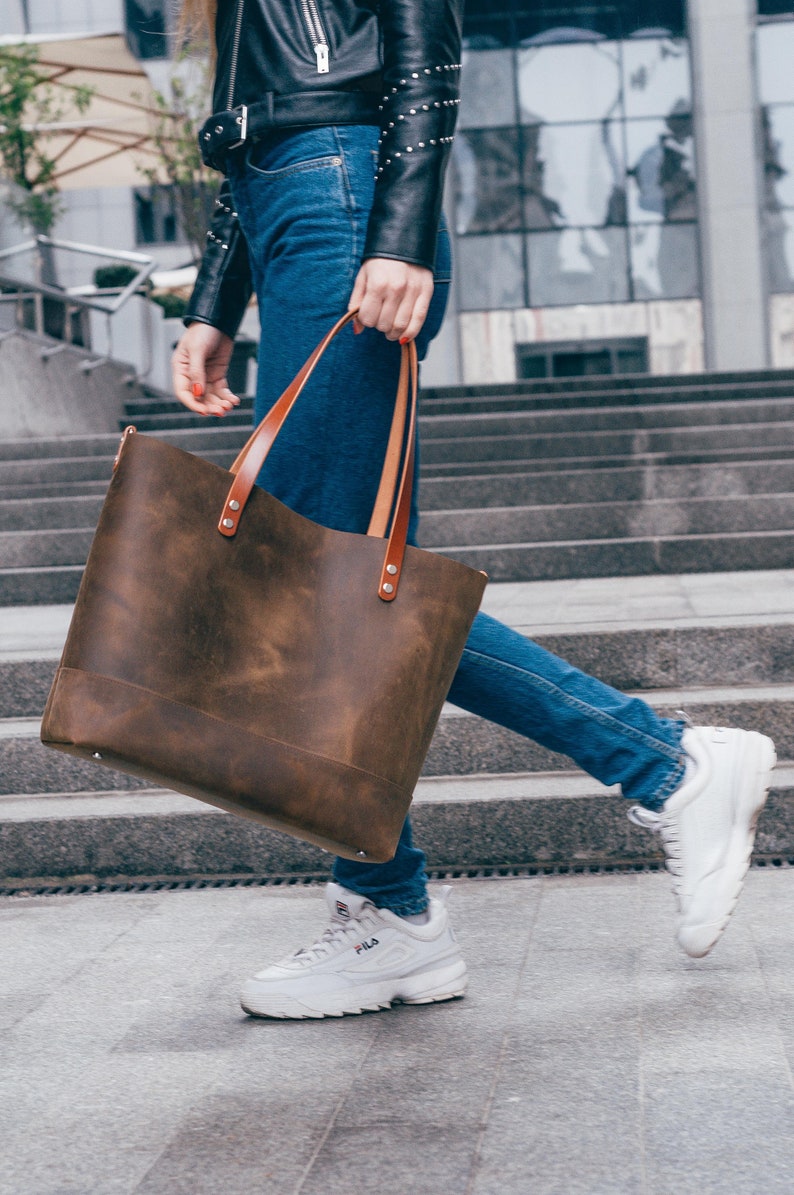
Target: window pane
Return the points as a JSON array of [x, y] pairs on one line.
[[569, 82], [576, 171], [778, 151], [768, 8], [487, 89], [656, 77], [490, 272], [661, 169], [578, 265], [775, 48], [664, 261], [485, 169], [779, 250]]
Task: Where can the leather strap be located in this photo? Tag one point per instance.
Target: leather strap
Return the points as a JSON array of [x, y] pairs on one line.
[[227, 130], [254, 453]]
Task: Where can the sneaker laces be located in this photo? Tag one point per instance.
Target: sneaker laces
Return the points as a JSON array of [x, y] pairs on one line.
[[333, 939], [667, 830], [665, 826]]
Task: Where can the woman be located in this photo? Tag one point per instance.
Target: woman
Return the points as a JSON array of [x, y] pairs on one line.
[[332, 125]]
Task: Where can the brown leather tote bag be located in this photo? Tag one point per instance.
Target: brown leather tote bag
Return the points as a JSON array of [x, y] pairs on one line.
[[226, 647]]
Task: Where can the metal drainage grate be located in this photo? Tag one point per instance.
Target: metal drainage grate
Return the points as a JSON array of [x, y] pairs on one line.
[[29, 888]]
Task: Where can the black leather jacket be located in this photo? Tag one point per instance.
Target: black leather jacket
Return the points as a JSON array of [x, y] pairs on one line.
[[281, 63]]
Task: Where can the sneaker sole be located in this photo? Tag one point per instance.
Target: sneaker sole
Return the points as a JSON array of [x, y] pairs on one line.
[[433, 987], [698, 940]]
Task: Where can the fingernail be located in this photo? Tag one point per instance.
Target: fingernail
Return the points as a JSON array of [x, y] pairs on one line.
[[198, 389], [356, 329], [403, 340]]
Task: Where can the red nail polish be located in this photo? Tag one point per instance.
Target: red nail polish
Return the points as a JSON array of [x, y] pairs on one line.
[[198, 389], [403, 340]]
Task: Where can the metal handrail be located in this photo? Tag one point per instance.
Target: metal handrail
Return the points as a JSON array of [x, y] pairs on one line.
[[106, 300]]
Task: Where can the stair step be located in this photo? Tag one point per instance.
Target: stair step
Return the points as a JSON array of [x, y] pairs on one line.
[[608, 520], [35, 514], [470, 822], [610, 444], [758, 651], [634, 557], [630, 483], [662, 416], [44, 549], [463, 744], [727, 457], [746, 383], [631, 557]]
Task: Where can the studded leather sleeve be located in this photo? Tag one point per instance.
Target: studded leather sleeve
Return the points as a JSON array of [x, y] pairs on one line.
[[421, 73], [223, 286]]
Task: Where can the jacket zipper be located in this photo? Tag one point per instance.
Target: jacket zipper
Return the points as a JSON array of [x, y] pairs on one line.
[[317, 34], [238, 29]]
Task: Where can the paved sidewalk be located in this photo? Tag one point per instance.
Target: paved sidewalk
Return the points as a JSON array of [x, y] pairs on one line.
[[590, 1056]]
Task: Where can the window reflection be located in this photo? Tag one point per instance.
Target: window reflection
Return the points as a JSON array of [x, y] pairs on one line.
[[661, 171], [486, 173], [491, 273], [578, 147], [656, 77], [488, 96], [574, 82], [664, 261], [775, 50], [578, 265], [777, 125], [580, 169], [778, 155]]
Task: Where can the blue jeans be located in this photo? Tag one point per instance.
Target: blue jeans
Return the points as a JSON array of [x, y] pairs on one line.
[[303, 198]]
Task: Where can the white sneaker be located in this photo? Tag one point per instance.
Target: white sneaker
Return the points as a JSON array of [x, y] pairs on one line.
[[708, 827], [365, 960]]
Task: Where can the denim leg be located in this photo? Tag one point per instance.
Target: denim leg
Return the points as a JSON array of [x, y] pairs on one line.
[[509, 679]]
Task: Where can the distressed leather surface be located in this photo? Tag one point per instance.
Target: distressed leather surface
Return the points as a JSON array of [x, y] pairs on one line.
[[261, 672]]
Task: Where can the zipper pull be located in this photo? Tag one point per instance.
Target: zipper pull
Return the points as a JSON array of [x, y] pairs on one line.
[[321, 50]]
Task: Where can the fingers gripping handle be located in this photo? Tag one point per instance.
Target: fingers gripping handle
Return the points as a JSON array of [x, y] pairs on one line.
[[254, 453]]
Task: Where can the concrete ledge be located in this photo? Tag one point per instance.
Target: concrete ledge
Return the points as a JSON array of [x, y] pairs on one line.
[[460, 823]]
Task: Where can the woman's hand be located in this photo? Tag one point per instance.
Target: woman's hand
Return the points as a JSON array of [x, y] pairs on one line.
[[198, 370], [392, 296]]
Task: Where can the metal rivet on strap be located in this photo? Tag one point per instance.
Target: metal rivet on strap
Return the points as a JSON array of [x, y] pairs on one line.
[[391, 568], [234, 504], [361, 854], [228, 522], [219, 128], [388, 587], [96, 754]]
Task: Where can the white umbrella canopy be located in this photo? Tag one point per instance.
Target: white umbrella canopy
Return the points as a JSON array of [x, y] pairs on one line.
[[108, 143]]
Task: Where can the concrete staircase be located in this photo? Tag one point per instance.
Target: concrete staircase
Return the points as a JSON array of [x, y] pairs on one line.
[[618, 477], [644, 514]]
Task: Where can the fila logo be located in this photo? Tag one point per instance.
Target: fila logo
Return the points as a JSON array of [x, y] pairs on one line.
[[342, 910], [366, 945]]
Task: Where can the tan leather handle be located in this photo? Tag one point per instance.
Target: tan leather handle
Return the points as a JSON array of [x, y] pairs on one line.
[[254, 453]]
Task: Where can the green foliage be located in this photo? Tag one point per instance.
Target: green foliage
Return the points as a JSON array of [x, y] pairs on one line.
[[27, 100], [174, 306], [118, 275]]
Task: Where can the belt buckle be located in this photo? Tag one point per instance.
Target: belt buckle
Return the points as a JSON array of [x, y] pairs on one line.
[[242, 121]]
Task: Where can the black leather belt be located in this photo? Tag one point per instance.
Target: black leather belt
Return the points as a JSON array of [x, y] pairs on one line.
[[232, 128]]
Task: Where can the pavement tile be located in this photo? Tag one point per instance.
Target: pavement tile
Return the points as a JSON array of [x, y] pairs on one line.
[[589, 1056]]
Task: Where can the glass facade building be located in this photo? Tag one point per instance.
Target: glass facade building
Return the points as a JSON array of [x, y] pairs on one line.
[[574, 169]]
